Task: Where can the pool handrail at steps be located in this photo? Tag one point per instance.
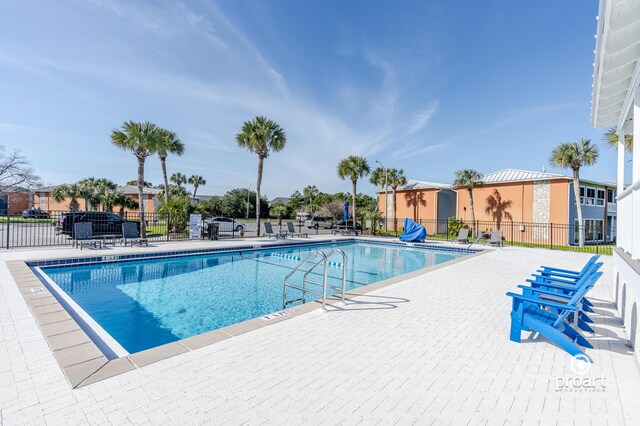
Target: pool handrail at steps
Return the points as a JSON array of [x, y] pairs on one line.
[[324, 260]]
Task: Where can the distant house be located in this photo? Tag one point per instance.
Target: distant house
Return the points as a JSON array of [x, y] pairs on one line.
[[524, 196], [283, 200], [15, 200], [42, 198], [429, 202]]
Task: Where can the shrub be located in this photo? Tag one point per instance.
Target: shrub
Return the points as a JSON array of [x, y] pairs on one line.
[[455, 225]]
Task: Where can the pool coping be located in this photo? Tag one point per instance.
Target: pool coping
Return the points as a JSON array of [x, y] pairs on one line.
[[84, 363]]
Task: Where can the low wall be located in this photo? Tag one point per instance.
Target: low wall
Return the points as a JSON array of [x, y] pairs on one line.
[[627, 295]]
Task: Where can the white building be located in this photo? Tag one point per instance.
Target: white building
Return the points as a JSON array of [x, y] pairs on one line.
[[616, 103]]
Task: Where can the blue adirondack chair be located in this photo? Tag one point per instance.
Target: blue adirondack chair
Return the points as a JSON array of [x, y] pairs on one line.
[[563, 292], [559, 276], [533, 312], [565, 274]]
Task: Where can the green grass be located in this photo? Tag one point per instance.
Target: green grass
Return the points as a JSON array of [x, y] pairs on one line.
[[600, 249], [3, 219]]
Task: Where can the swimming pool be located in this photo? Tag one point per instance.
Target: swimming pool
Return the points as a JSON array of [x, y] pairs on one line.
[[141, 304]]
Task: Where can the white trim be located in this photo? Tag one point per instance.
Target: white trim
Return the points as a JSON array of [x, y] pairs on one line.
[[103, 340], [601, 34]]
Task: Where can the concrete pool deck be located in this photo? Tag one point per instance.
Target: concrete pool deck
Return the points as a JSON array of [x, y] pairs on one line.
[[431, 348]]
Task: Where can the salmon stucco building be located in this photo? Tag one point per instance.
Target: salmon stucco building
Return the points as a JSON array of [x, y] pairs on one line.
[[430, 203], [540, 200], [526, 205]]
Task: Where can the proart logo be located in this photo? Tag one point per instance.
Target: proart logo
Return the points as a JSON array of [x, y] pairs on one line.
[[580, 381]]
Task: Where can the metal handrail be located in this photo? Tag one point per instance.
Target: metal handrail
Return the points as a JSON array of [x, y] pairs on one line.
[[324, 261]]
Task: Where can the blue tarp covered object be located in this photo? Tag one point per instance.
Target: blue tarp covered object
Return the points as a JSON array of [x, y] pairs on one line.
[[413, 232]]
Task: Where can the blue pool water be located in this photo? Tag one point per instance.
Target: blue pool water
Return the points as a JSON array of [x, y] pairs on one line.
[[146, 303]]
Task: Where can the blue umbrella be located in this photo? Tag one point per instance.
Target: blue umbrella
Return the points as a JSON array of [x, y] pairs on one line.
[[346, 211]]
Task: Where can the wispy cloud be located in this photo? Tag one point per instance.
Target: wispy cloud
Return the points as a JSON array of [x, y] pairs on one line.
[[421, 119], [414, 149]]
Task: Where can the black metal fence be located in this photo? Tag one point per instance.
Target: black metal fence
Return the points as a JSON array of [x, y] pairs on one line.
[[48, 228], [599, 236]]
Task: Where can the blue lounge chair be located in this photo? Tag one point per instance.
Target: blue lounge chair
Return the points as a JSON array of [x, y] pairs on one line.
[[533, 312]]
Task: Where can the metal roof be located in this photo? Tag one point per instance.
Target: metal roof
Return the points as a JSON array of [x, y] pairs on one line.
[[515, 175], [130, 189], [418, 184], [615, 69]]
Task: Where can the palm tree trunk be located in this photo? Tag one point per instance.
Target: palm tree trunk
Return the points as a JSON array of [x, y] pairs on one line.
[[353, 198], [576, 193], [143, 227], [163, 163], [395, 222], [195, 189], [473, 213], [258, 183]]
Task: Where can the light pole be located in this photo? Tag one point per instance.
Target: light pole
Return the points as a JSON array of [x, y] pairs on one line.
[[386, 195], [248, 204]]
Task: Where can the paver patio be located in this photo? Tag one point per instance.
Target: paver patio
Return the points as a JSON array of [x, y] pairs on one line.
[[431, 349]]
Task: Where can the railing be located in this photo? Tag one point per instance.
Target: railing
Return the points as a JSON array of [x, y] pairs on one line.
[[304, 289], [629, 220]]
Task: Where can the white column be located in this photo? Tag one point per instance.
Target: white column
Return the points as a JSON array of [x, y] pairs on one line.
[[620, 186], [636, 133], [634, 211]]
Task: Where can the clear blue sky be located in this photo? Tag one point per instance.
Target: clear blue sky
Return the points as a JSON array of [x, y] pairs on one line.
[[430, 87]]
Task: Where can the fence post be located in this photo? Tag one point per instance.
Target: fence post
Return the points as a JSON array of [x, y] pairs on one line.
[[167, 226], [551, 236], [8, 226]]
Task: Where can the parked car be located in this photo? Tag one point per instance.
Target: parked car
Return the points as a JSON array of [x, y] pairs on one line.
[[347, 224], [316, 222], [226, 224], [35, 213], [104, 223]]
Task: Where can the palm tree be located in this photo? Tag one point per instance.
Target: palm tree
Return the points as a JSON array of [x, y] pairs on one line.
[[141, 139], [109, 198], [261, 136], [379, 178], [468, 179], [573, 155], [353, 167], [279, 210], [126, 202], [395, 178], [168, 143], [197, 181], [610, 139], [309, 193], [497, 208], [179, 179], [87, 190], [73, 191]]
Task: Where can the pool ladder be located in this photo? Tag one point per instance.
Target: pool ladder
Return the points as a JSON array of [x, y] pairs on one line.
[[324, 262]]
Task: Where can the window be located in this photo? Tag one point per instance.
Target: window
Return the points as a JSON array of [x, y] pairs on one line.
[[590, 200], [597, 233], [588, 230], [611, 196], [576, 232], [600, 197], [582, 195]]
